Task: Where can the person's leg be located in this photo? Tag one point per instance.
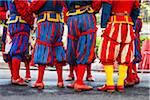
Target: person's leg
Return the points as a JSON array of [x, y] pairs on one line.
[[122, 74], [80, 70], [60, 82], [108, 53], [16, 79], [27, 66], [109, 86], [71, 48], [89, 76], [71, 75], [126, 58], [135, 74], [39, 82], [18, 48], [129, 81], [85, 53], [79, 84], [16, 67], [72, 84]]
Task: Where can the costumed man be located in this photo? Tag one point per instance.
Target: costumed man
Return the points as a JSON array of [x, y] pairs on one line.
[[48, 48], [132, 75], [14, 55], [117, 39], [81, 39], [96, 7]]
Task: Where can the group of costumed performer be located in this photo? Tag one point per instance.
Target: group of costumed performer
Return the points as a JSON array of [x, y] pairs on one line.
[[117, 44], [17, 31], [117, 40]]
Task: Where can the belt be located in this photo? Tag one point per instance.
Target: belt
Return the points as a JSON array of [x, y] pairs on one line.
[[18, 18], [80, 10], [48, 44], [47, 16], [116, 19], [90, 31], [121, 14]]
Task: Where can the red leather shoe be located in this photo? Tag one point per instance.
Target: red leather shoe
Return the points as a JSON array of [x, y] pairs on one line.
[[27, 79], [38, 85], [82, 87], [19, 82], [90, 79], [120, 89], [70, 78], [129, 83], [60, 85], [107, 88], [71, 85], [137, 80]]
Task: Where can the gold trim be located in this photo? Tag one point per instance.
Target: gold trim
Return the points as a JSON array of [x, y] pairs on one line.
[[80, 11], [44, 18], [47, 17], [18, 18], [113, 19]]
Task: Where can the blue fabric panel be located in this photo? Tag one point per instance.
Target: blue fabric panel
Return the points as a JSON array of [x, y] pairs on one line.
[[134, 14], [106, 12]]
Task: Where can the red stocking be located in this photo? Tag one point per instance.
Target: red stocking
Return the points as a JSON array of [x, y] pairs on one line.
[[41, 69], [80, 73], [134, 69], [71, 71], [129, 73], [59, 73], [89, 71], [15, 68], [27, 69]]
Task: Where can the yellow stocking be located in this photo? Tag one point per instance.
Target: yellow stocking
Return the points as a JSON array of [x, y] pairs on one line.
[[109, 74], [122, 74]]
